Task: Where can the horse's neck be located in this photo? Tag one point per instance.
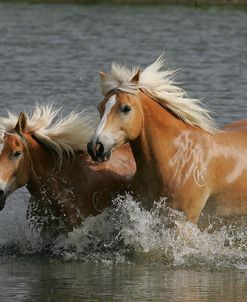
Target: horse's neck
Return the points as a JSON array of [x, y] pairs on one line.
[[152, 147], [45, 176], [53, 189]]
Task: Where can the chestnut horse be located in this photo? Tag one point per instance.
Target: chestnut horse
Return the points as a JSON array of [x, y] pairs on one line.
[[49, 158], [179, 152]]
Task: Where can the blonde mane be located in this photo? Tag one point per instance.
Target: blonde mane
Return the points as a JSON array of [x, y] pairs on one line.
[[68, 134], [160, 86]]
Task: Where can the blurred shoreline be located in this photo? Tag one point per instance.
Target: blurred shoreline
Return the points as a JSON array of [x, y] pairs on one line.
[[195, 3]]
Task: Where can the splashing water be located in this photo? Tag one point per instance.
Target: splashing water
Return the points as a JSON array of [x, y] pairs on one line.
[[125, 233]]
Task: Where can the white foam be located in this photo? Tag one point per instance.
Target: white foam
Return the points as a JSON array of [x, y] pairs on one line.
[[126, 232]]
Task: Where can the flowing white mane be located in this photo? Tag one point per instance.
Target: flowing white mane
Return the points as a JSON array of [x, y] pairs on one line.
[[67, 134], [159, 85]]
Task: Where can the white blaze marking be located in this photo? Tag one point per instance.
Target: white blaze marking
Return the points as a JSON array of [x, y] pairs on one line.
[[3, 185], [108, 106], [1, 147]]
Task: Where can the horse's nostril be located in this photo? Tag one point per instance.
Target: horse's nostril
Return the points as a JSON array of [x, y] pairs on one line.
[[2, 199], [90, 148], [99, 147]]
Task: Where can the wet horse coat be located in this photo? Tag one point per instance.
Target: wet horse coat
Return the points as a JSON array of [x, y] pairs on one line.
[[179, 152], [50, 159]]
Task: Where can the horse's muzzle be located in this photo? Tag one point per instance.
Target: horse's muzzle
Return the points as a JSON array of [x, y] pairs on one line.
[[2, 199], [97, 152]]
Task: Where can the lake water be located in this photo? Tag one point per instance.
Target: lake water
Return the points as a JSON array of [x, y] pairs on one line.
[[53, 53]]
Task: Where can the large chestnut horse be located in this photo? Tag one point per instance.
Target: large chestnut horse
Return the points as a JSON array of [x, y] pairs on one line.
[[50, 159], [178, 150]]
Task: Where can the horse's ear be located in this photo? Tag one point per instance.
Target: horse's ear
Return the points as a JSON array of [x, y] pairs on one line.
[[21, 123], [136, 77], [102, 75]]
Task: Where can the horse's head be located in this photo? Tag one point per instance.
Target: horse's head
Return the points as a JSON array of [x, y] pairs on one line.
[[121, 121], [14, 172]]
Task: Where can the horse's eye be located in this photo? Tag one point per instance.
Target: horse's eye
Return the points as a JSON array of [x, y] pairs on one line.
[[125, 109], [15, 155]]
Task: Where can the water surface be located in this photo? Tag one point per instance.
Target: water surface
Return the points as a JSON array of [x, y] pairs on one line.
[[53, 53]]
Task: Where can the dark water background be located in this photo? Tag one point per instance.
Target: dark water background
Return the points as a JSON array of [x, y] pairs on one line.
[[53, 53]]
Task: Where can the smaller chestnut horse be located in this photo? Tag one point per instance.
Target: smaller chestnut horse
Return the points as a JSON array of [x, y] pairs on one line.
[[50, 159], [178, 150]]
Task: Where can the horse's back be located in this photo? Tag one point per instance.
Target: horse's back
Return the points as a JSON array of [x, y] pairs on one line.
[[234, 136], [229, 175], [240, 125]]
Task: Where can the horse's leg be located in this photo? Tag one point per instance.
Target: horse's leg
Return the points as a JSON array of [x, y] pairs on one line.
[[192, 207], [191, 202], [50, 227], [33, 213], [50, 231]]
